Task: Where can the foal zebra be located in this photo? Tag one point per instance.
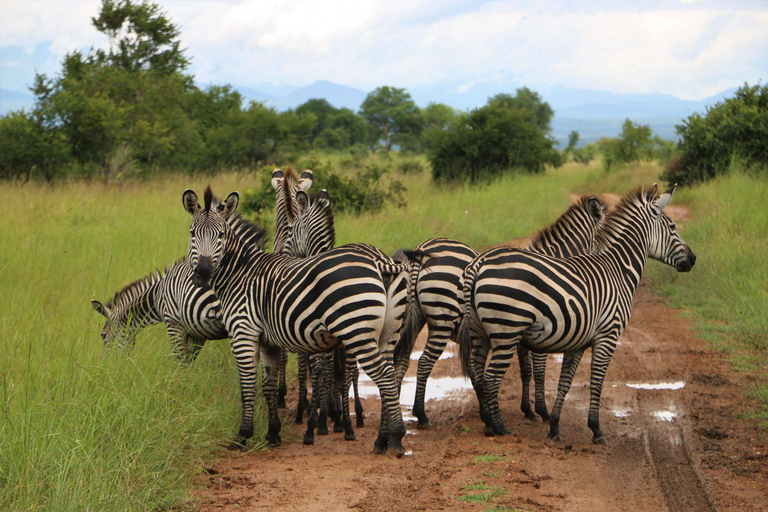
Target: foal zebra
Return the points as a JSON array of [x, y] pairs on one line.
[[271, 301], [438, 297], [565, 305], [191, 314]]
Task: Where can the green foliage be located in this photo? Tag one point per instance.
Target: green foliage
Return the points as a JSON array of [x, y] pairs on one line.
[[28, 149], [489, 141], [393, 117], [536, 111], [636, 143], [738, 125], [573, 141], [585, 154], [367, 191], [410, 167]]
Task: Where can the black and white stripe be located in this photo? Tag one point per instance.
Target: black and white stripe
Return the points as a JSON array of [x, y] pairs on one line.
[[565, 305], [271, 301], [439, 296]]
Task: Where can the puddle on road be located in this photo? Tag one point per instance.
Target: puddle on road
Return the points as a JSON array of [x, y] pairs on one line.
[[665, 415], [437, 388], [621, 412], [659, 385], [447, 354]]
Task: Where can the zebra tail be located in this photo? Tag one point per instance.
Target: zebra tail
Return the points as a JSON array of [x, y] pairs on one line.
[[462, 333], [414, 319]]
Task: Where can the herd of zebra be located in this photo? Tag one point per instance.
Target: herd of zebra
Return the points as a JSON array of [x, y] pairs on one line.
[[337, 308]]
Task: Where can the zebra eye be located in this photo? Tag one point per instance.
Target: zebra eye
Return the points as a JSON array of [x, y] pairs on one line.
[[191, 232], [221, 234]]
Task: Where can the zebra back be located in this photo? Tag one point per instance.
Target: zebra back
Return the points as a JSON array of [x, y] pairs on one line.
[[574, 232]]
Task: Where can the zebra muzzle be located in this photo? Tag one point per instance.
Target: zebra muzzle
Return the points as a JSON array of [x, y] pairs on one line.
[[687, 264], [203, 272]]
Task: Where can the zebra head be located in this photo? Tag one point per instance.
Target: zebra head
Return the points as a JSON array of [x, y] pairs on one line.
[[311, 232], [209, 233], [121, 329], [287, 184], [666, 245]]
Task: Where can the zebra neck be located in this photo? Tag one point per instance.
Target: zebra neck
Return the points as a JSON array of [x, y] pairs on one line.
[[142, 307], [627, 254]]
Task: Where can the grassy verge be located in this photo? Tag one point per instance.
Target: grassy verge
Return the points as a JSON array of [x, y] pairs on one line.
[[83, 430], [727, 291]]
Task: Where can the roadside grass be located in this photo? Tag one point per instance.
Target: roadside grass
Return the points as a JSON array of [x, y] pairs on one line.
[[87, 430], [727, 290], [486, 458]]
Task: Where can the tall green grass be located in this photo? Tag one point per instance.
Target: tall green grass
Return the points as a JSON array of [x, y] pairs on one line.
[[84, 429], [727, 290]]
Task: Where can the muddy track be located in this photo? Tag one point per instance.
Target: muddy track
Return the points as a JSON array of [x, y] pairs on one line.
[[670, 409]]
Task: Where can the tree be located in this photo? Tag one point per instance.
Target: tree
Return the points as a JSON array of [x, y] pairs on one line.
[[736, 126], [489, 141], [321, 109], [537, 111], [392, 115], [140, 37], [573, 141]]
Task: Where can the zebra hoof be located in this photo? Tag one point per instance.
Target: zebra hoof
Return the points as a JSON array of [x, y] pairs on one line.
[[350, 436], [380, 445], [424, 424], [273, 440], [544, 416], [600, 440], [236, 445], [308, 440], [360, 422], [530, 416], [338, 428], [488, 431], [322, 430], [501, 430], [399, 451], [556, 438]]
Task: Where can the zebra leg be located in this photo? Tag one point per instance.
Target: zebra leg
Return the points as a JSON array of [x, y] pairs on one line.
[[354, 373], [539, 379], [282, 389], [567, 371], [270, 361], [247, 359], [302, 361], [434, 348], [193, 346], [504, 345], [177, 335], [337, 385], [602, 353], [392, 429], [350, 378], [325, 389], [316, 373], [524, 359], [477, 374]]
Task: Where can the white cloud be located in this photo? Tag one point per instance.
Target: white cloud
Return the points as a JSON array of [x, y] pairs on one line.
[[690, 51]]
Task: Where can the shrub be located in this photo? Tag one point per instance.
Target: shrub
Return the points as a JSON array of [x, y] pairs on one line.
[[366, 192], [410, 167], [585, 154], [734, 126], [488, 141]]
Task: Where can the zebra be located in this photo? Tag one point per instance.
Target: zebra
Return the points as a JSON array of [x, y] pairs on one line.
[[438, 297], [191, 314], [565, 305], [271, 301], [286, 185]]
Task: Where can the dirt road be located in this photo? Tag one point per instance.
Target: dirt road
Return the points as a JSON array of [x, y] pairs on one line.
[[670, 409]]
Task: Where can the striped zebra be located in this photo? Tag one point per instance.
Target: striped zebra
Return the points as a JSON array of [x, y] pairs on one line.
[[286, 185], [271, 301], [311, 233], [565, 305], [439, 297], [191, 314]]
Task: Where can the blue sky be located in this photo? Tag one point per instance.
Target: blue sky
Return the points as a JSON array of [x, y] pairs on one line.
[[691, 49]]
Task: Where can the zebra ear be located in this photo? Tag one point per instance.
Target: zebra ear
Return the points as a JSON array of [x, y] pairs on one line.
[[189, 200], [596, 209], [305, 181], [277, 178], [230, 204], [323, 196], [100, 308], [302, 201], [665, 197]]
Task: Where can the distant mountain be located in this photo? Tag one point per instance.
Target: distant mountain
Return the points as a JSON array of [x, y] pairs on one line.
[[250, 95], [13, 100], [340, 96]]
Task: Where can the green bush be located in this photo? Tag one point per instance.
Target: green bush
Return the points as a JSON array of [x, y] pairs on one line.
[[489, 141], [367, 192], [736, 126], [585, 154], [410, 167]]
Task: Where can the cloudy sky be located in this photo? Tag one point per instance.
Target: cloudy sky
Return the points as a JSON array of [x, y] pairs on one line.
[[689, 48]]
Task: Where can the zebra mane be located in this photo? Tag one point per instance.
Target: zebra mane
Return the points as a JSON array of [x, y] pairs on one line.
[[140, 285], [208, 198], [577, 209], [248, 231], [615, 223], [291, 177]]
